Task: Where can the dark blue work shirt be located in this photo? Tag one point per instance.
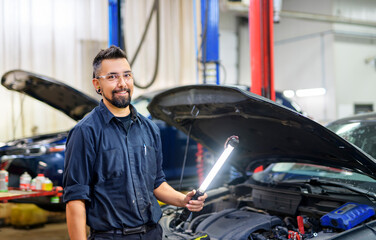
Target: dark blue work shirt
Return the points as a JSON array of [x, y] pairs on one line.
[[113, 170]]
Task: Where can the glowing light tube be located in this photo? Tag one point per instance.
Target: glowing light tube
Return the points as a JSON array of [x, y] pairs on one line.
[[217, 166], [231, 143]]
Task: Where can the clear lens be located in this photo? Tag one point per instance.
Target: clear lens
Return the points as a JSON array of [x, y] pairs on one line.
[[116, 76]]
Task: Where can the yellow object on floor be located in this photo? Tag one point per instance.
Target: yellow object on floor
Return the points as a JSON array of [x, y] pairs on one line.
[[5, 213], [27, 216]]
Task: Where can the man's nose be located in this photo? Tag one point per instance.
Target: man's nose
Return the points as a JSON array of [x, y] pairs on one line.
[[122, 81]]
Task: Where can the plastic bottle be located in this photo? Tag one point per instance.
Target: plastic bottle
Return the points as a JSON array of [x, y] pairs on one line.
[[25, 180], [3, 181], [47, 185], [39, 180], [32, 184]]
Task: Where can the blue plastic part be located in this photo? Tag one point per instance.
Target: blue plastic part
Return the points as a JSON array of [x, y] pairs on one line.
[[210, 28], [347, 216]]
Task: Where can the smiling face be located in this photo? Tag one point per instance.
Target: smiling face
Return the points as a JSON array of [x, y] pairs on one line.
[[116, 94]]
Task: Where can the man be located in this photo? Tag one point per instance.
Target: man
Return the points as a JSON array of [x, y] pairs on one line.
[[113, 164]]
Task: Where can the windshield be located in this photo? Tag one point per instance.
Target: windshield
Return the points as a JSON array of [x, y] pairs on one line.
[[361, 134], [285, 172]]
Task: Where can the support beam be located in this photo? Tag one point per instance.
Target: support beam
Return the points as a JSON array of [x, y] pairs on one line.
[[115, 25], [210, 40], [261, 47]]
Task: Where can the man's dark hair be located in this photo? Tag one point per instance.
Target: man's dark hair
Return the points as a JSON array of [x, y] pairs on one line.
[[112, 52]]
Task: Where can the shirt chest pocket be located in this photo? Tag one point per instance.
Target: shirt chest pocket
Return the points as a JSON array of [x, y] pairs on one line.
[[113, 163], [149, 161]]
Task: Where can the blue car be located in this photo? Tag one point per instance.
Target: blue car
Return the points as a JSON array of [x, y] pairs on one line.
[[45, 153]]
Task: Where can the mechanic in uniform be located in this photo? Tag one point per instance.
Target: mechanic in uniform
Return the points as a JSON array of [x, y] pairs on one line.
[[113, 163]]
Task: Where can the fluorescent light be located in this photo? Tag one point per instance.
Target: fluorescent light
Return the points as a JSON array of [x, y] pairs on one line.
[[310, 92], [213, 172], [289, 93]]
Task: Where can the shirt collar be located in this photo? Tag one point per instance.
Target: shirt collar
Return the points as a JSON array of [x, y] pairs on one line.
[[107, 115]]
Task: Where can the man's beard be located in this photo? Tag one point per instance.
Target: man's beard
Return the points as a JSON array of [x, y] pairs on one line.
[[119, 101]]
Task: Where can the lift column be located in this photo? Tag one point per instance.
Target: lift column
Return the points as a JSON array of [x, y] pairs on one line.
[[210, 40], [261, 47], [115, 36]]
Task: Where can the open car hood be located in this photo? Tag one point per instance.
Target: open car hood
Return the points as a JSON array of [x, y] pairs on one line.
[[267, 132], [70, 101]]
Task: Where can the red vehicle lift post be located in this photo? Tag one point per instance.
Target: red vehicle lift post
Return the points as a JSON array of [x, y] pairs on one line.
[[260, 20]]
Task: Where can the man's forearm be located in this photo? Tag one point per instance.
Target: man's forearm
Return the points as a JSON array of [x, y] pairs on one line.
[[76, 219], [168, 195]]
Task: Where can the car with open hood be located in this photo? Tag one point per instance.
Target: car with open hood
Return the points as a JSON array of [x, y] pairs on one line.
[[315, 185], [198, 160], [44, 153]]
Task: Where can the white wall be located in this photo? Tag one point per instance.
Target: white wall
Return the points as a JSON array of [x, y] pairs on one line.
[[228, 48], [303, 57], [313, 54], [355, 79], [46, 37], [60, 38], [244, 71], [177, 59]]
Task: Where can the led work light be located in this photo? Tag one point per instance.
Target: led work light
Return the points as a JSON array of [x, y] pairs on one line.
[[230, 144]]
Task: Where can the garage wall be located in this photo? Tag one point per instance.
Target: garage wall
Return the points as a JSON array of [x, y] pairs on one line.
[[355, 54], [49, 38], [321, 54], [304, 57], [228, 48], [59, 39], [317, 54], [177, 57]]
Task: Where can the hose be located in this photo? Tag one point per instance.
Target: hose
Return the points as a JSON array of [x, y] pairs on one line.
[[155, 8]]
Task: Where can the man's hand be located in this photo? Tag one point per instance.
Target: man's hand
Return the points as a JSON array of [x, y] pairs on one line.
[[194, 205], [168, 195]]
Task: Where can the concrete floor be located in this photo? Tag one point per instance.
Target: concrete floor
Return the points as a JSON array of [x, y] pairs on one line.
[[50, 231]]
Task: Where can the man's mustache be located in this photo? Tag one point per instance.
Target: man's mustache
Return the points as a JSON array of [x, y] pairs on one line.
[[121, 90]]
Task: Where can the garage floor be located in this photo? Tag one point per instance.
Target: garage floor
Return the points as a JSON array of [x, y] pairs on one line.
[[50, 231]]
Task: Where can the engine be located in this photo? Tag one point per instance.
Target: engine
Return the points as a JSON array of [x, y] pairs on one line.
[[230, 215]]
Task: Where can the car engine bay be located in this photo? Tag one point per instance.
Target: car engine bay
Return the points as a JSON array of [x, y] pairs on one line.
[[253, 212]]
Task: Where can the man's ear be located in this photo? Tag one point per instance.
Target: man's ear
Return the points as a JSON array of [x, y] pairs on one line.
[[97, 86], [96, 83]]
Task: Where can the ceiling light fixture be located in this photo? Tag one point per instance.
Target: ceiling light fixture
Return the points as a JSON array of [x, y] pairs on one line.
[[289, 93], [310, 92]]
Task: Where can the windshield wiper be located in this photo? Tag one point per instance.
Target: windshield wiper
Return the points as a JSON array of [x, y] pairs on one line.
[[319, 182]]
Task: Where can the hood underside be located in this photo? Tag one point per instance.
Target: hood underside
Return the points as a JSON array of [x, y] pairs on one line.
[[73, 103], [267, 132]]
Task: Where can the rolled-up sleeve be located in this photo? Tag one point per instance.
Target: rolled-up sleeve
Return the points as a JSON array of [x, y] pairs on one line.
[[78, 165]]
